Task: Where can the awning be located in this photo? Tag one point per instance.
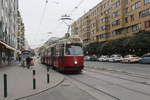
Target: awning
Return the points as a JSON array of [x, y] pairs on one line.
[[9, 47]]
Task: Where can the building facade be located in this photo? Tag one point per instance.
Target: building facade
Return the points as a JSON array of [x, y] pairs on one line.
[[20, 33], [113, 19], [8, 29]]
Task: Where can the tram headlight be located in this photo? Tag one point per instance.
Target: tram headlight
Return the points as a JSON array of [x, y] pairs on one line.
[[75, 62]]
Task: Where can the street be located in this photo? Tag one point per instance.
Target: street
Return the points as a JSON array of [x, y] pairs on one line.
[[75, 50], [143, 69], [102, 81]]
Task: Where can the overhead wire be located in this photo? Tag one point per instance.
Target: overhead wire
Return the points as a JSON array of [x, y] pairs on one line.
[[71, 12], [44, 11], [42, 16], [76, 7]]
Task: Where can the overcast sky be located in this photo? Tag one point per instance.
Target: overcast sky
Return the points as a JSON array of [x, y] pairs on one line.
[[32, 11]]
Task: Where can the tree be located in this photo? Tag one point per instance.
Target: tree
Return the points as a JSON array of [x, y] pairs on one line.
[[138, 44]]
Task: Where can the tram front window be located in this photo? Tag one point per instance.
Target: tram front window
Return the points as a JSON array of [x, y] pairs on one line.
[[74, 49]]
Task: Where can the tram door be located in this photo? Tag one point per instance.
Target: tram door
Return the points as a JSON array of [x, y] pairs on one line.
[[62, 51], [52, 55]]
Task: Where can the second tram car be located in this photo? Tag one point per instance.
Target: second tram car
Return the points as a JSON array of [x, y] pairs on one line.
[[65, 54]]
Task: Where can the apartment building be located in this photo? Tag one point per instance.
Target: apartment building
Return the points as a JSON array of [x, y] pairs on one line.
[[20, 33], [113, 19], [8, 29]]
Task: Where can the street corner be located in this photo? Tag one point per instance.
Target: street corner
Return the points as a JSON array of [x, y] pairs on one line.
[[22, 82], [55, 79]]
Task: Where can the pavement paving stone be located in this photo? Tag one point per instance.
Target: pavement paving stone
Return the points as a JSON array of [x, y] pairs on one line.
[[65, 91], [20, 81]]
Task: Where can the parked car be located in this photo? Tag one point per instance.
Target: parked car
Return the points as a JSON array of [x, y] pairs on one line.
[[145, 59], [103, 58], [87, 58], [130, 59], [115, 58], [93, 58]]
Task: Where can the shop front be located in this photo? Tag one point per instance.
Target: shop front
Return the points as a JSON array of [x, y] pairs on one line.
[[6, 54]]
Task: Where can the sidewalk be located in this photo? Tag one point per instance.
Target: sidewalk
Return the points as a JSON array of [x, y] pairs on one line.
[[20, 81]]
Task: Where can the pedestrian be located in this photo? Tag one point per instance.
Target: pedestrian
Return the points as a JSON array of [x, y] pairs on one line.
[[28, 62], [32, 62], [19, 59]]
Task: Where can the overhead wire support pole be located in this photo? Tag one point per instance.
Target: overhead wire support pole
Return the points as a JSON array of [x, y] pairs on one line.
[[68, 29], [68, 26]]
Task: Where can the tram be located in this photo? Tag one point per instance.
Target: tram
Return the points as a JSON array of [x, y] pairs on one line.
[[65, 54]]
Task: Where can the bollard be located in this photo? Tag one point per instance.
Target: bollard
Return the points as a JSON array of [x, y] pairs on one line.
[[47, 74], [5, 85], [34, 80]]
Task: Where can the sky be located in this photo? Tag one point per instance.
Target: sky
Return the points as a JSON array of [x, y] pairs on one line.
[[40, 20]]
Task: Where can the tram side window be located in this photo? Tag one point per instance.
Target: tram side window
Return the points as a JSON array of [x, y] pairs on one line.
[[57, 50], [49, 52], [61, 50], [52, 51]]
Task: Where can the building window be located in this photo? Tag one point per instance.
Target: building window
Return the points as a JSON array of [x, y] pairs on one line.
[[115, 14], [107, 35], [146, 1], [144, 13], [126, 19], [147, 24], [126, 1], [136, 27], [136, 5], [104, 20], [106, 27], [116, 4], [132, 17], [126, 11], [108, 11], [1, 31], [115, 23]]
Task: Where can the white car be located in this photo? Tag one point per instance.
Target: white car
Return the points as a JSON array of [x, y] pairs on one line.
[[130, 59], [115, 58], [87, 58], [103, 58]]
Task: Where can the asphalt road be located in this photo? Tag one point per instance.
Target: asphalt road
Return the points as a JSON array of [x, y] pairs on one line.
[[143, 69], [114, 85], [103, 81]]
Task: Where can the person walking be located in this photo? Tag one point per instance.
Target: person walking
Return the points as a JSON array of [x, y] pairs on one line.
[[28, 62]]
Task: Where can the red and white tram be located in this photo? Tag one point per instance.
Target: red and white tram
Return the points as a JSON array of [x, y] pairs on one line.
[[65, 54]]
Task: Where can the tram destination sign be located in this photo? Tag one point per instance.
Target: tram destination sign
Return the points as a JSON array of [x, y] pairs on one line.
[[74, 39]]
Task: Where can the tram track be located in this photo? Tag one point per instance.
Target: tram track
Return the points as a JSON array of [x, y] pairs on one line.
[[97, 89], [139, 82], [121, 72], [137, 91]]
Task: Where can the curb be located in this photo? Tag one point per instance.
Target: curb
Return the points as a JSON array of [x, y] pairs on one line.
[[53, 86]]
